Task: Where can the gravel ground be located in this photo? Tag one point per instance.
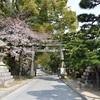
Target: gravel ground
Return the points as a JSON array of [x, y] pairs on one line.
[[89, 93]]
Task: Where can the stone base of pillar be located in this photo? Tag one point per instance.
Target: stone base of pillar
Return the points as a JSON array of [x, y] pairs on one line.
[[6, 79]]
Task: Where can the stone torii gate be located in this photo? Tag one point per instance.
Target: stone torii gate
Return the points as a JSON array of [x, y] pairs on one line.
[[60, 50]]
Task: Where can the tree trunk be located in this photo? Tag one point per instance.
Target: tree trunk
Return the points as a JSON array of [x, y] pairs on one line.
[[35, 72], [17, 6], [20, 67], [97, 76], [74, 72]]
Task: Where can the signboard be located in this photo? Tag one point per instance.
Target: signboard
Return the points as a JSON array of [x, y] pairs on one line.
[[62, 71]]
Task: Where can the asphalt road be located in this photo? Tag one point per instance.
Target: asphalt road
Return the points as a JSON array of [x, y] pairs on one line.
[[44, 87]]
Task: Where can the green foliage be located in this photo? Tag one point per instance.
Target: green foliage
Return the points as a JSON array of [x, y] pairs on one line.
[[89, 3], [44, 16], [43, 59], [85, 4], [54, 62], [29, 8], [10, 62], [91, 33], [49, 60], [90, 21], [7, 9], [52, 15], [2, 14], [86, 17], [82, 49]]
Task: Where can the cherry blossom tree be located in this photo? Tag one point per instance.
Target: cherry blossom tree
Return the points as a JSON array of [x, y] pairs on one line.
[[19, 37]]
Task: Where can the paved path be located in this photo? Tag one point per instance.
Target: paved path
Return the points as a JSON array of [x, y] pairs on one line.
[[46, 87]]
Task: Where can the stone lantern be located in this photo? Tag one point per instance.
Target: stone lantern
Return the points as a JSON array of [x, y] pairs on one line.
[[5, 76]]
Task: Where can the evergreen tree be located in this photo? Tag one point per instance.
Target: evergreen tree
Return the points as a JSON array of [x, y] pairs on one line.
[[45, 16], [91, 29], [90, 21]]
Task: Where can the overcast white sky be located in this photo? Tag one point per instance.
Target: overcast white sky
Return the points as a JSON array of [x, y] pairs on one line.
[[75, 7]]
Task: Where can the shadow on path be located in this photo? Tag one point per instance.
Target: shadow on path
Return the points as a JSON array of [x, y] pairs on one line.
[[59, 92]]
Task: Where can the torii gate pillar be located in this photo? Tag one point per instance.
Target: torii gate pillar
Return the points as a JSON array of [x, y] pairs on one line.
[[61, 57], [32, 64]]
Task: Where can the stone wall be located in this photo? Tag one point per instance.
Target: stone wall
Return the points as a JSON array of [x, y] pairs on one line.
[[89, 77]]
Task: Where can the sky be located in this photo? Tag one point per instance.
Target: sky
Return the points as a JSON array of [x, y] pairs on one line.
[[75, 7]]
